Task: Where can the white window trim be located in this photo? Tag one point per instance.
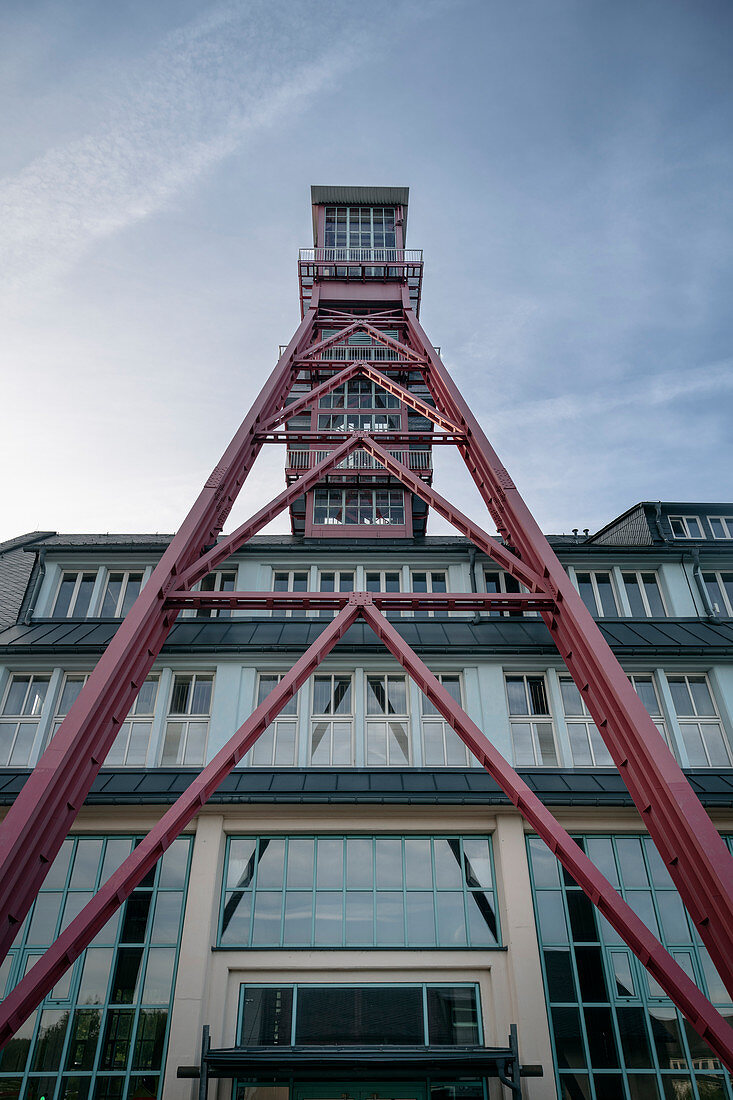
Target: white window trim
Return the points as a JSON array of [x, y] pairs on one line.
[[727, 608], [446, 726], [726, 521], [351, 717], [373, 719], [249, 760], [642, 591], [532, 720], [665, 692], [186, 719], [592, 571]]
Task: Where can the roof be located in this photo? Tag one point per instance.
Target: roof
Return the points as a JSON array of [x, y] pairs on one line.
[[630, 637], [361, 196], [454, 786], [16, 567]]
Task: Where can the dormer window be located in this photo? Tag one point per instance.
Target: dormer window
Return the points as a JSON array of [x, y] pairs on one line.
[[721, 526], [686, 527]]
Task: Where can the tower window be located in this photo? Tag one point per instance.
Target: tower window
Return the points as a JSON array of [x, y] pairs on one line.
[[358, 507]]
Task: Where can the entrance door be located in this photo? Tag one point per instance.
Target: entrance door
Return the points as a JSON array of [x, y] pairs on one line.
[[379, 1090]]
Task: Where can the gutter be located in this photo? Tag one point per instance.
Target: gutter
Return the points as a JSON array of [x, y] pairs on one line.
[[37, 586], [704, 596]]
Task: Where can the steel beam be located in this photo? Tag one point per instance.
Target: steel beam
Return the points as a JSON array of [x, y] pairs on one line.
[[42, 977], [690, 845], [392, 601], [705, 1019], [45, 809]]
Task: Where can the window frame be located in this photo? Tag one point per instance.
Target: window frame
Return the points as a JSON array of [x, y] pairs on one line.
[[531, 719], [80, 574], [727, 610], [727, 524], [701, 720], [290, 716], [122, 596], [331, 505], [593, 573], [434, 719], [133, 718], [186, 719], [585, 720], [32, 718], [683, 519], [641, 585], [349, 718], [374, 719]]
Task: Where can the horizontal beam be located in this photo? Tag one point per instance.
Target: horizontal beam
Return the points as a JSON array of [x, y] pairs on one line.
[[392, 601], [337, 437]]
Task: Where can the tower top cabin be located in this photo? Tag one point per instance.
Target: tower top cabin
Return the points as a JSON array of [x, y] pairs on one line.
[[358, 280]]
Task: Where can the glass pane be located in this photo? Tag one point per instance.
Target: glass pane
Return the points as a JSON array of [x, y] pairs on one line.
[[196, 743], [95, 975], [420, 919], [86, 864], [571, 700], [546, 744], [388, 863], [69, 695], [167, 918], [36, 695], [448, 868], [390, 919], [645, 690], [201, 701], [588, 596], [298, 918], [66, 591], [266, 1016], [359, 918], [653, 595], [681, 696], [451, 919], [606, 594], [694, 744], [452, 1016], [329, 918], [633, 593], [568, 1037], [358, 863], [537, 695], [363, 1015], [112, 595], [132, 591], [159, 976], [180, 696], [329, 868], [477, 862], [516, 695], [523, 744], [300, 863], [701, 696]]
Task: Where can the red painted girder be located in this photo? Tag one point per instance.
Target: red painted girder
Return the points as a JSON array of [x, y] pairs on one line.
[[444, 508], [397, 601], [693, 851], [360, 368], [705, 1019], [243, 533], [336, 437], [40, 980], [39, 820], [363, 326]]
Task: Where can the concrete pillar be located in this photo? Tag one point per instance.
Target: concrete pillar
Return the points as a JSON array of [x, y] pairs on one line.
[[526, 999], [199, 930]]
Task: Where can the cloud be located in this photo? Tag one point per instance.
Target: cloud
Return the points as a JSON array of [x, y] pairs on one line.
[[656, 390], [238, 69]]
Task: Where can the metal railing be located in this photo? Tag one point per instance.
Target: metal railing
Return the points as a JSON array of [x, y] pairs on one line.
[[361, 255], [301, 459]]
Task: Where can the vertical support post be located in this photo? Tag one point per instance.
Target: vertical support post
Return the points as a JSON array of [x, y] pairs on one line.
[[204, 1075]]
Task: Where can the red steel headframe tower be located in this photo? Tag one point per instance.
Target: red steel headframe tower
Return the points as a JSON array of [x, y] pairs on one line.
[[360, 397]]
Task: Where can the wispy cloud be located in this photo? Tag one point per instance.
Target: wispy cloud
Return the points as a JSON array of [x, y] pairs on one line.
[[655, 390], [238, 69]]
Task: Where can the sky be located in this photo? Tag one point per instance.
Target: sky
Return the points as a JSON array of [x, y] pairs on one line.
[[569, 165]]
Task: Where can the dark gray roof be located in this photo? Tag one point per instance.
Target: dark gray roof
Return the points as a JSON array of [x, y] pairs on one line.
[[555, 786], [630, 637]]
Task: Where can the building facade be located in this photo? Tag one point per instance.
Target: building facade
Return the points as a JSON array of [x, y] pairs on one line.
[[359, 912]]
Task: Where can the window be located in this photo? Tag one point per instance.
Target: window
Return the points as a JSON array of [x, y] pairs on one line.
[[337, 580], [130, 747], [216, 582], [721, 526], [359, 393], [702, 731], [276, 746], [381, 580], [428, 581], [358, 507], [358, 891], [387, 722], [596, 591], [73, 683], [720, 591], [495, 581], [187, 725], [644, 595], [103, 1029], [607, 1014], [531, 724], [120, 594], [74, 595], [358, 227], [686, 527], [646, 690], [586, 743], [359, 422], [442, 747], [289, 581], [332, 721], [21, 712], [362, 1015]]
